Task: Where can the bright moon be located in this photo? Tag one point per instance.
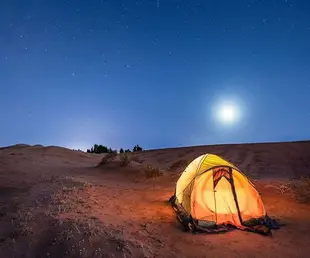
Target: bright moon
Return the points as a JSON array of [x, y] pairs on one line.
[[228, 114]]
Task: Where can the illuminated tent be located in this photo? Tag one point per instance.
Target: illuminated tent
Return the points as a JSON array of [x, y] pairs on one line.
[[212, 194]]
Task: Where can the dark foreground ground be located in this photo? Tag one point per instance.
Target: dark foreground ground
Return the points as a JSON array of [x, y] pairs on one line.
[[55, 202]]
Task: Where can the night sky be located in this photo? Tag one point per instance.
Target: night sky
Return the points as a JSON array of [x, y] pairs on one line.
[[120, 73]]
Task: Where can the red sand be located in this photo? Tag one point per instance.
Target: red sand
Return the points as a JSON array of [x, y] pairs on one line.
[[54, 202]]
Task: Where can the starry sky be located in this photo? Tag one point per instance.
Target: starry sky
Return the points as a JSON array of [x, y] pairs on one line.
[[149, 72]]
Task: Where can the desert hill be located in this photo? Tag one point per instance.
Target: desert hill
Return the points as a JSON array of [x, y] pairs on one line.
[[284, 160], [56, 202]]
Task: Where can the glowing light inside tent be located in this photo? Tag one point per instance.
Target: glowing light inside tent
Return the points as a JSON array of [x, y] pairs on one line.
[[220, 200]]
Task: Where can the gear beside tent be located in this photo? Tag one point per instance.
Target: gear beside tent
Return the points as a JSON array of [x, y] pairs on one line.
[[212, 195]]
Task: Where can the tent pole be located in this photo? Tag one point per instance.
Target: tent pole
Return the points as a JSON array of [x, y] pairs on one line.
[[235, 195], [214, 197]]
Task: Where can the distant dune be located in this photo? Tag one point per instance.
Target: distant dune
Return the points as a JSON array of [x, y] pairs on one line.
[[284, 160], [56, 202]]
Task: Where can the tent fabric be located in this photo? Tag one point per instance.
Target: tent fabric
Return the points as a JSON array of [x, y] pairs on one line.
[[212, 191]]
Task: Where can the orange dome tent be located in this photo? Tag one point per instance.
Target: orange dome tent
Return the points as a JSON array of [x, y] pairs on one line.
[[212, 194]]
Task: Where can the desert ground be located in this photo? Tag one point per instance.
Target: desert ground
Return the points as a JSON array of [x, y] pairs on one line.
[[56, 202]]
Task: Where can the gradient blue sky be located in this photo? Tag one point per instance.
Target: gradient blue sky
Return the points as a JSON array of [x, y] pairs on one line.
[[120, 73]]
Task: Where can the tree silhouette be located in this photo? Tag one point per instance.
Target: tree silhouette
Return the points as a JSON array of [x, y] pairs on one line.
[[137, 148], [104, 149], [99, 149]]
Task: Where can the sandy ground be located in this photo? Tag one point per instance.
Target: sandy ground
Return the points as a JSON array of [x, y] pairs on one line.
[[55, 202]]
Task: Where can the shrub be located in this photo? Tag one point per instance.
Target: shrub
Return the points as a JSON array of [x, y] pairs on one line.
[[121, 150], [302, 189], [151, 171], [124, 160], [107, 158], [180, 164]]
